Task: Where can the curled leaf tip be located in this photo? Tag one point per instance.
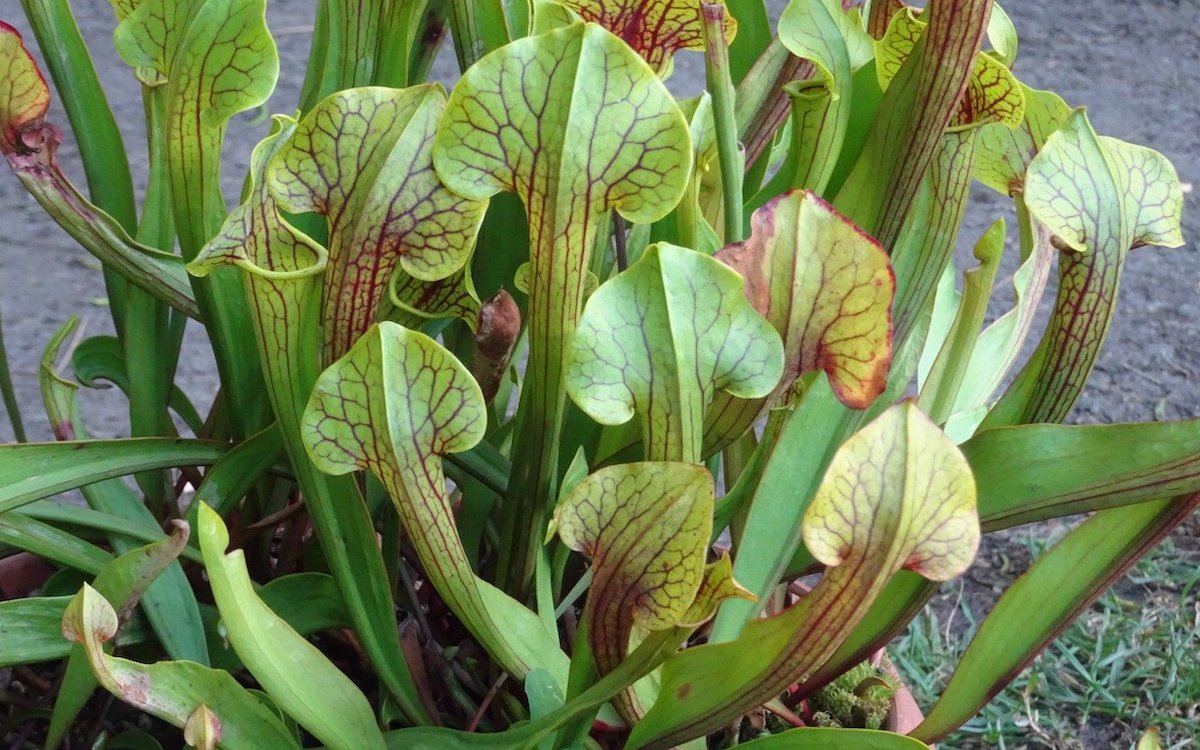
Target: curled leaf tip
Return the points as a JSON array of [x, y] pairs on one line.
[[903, 469], [24, 97], [663, 337], [89, 616], [827, 288], [202, 729]]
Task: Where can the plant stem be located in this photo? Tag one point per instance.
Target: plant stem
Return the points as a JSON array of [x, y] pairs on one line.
[[10, 396], [720, 87]]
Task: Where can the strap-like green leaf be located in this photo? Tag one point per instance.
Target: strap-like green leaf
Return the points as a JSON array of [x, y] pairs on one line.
[[661, 339], [1043, 601], [294, 672], [822, 738], [170, 605], [172, 690], [31, 471], [1076, 469], [898, 494], [393, 405], [575, 123], [31, 629]]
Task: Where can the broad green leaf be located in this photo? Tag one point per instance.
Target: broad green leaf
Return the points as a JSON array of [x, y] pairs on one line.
[[362, 159], [898, 494], [655, 29], [1076, 469], [575, 123], [215, 59], [919, 104], [645, 527], [821, 738], [307, 601], [297, 676], [31, 471], [122, 582], [282, 276], [661, 339], [393, 405], [1100, 197], [46, 541], [827, 289], [171, 690], [1044, 600], [31, 631]]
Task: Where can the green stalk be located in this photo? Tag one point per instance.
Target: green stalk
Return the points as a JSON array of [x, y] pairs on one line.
[[720, 87], [313, 88], [92, 123], [10, 396], [478, 28], [151, 368], [946, 377]]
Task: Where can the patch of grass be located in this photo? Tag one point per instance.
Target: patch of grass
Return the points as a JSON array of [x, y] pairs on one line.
[[1130, 662]]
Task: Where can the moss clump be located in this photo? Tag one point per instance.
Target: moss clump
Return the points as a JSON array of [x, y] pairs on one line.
[[860, 698]]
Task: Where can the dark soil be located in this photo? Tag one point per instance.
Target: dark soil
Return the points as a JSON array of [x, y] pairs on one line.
[[1135, 64]]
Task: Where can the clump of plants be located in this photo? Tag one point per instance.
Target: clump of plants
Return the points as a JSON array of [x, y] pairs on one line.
[[538, 394]]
